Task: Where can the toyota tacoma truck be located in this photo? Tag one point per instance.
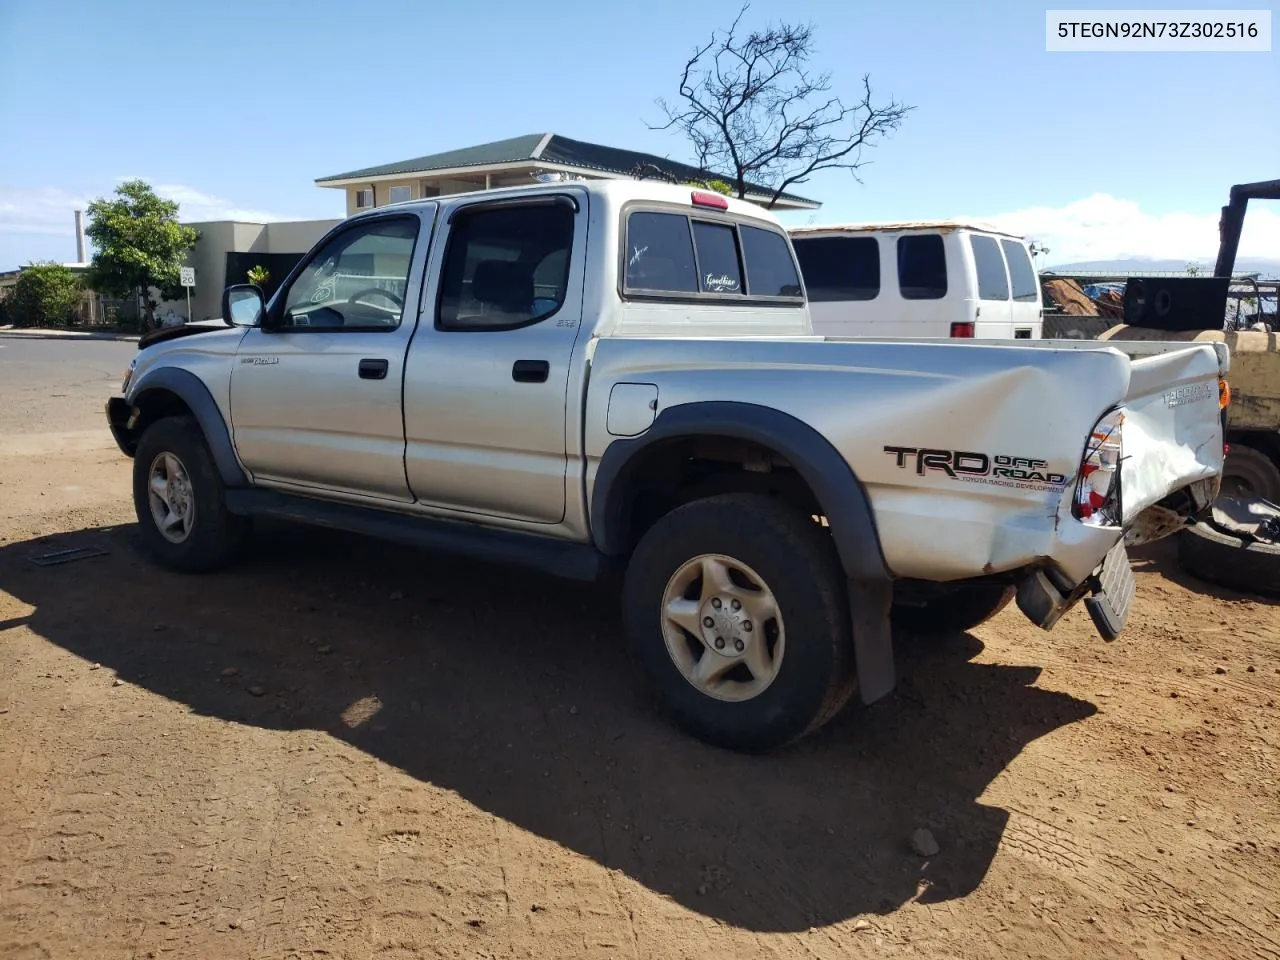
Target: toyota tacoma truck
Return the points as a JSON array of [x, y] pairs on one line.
[[620, 379]]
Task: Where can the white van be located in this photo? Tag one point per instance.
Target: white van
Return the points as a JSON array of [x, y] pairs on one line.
[[940, 278]]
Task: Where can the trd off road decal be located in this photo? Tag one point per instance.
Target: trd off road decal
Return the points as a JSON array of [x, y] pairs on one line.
[[1024, 473]]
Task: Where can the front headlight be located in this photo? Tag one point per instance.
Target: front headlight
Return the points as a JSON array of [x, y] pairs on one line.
[[128, 376]]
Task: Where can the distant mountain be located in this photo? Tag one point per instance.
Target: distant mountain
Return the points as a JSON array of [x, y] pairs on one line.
[[1267, 269]]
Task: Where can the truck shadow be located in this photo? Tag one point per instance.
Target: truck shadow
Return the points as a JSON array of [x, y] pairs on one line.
[[515, 692]]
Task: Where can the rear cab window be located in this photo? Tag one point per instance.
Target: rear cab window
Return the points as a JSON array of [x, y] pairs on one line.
[[671, 254]]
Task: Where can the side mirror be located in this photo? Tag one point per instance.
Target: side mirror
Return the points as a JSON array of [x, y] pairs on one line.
[[243, 305]]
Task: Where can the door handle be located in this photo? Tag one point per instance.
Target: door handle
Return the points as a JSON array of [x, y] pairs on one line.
[[371, 369], [530, 371]]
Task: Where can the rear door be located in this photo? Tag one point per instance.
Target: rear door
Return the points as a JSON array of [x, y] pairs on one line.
[[486, 379], [1024, 288], [994, 318]]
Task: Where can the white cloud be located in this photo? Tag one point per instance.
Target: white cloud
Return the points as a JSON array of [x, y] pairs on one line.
[[49, 210], [195, 206], [41, 210], [1103, 227]]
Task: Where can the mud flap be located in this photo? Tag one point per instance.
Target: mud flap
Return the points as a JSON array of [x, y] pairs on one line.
[[869, 606], [1113, 588]]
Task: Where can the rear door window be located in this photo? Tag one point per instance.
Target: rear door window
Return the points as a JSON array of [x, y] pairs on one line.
[[1021, 274], [993, 284], [922, 267], [840, 268]]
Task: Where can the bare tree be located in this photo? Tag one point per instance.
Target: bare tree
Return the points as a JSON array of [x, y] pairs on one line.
[[752, 108]]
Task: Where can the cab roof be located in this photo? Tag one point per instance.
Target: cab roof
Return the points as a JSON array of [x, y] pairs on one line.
[[614, 192]]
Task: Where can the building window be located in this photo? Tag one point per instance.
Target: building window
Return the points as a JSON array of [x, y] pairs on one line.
[[364, 198], [400, 194]]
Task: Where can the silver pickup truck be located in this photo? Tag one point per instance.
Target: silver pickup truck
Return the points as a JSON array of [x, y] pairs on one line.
[[604, 377]]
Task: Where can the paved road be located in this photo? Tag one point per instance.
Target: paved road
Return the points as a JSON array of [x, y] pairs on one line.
[[54, 442], [59, 383]]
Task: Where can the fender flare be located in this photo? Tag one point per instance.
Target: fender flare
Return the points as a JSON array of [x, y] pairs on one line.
[[195, 394], [827, 473]]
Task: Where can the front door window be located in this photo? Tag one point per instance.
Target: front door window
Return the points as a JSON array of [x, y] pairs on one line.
[[356, 281]]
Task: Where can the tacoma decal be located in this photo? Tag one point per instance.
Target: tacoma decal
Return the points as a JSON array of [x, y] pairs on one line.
[[1025, 473], [1190, 394]]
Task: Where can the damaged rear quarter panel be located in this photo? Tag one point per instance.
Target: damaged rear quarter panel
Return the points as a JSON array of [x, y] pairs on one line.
[[1172, 427], [863, 396]]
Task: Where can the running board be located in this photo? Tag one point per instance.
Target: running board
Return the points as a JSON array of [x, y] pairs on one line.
[[560, 558]]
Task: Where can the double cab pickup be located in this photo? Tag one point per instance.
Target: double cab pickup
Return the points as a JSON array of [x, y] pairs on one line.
[[619, 380]]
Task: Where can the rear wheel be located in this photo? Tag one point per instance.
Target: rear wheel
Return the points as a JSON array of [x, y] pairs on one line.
[[178, 498], [736, 609], [1218, 557], [952, 610], [1249, 473]]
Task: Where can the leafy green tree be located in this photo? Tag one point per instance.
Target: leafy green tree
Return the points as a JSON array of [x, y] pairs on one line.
[[719, 186], [259, 275], [138, 245], [46, 294]]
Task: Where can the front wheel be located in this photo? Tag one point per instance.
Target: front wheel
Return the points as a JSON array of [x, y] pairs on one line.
[[736, 609], [178, 498]]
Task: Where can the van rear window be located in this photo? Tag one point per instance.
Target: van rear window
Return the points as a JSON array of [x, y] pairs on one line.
[[839, 268], [676, 254], [922, 267], [1021, 273], [992, 282]]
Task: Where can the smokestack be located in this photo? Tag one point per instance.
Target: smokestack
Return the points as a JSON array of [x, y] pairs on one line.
[[80, 257]]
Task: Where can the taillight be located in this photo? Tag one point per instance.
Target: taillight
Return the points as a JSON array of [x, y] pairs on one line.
[[1224, 393], [1097, 500], [962, 329]]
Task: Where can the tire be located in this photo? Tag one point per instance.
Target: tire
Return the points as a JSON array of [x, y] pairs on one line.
[[953, 611], [1228, 561], [1249, 473], [804, 655], [210, 536]]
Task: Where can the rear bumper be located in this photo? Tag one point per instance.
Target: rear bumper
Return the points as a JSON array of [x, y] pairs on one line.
[[119, 413], [1047, 592]]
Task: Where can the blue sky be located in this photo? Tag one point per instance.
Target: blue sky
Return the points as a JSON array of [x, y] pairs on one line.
[[235, 108]]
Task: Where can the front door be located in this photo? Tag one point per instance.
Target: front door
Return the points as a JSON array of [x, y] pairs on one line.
[[488, 374], [316, 390]]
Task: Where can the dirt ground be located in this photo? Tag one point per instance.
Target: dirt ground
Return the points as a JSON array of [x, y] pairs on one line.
[[342, 749]]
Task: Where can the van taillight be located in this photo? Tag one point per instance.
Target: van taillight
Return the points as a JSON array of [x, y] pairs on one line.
[[962, 329]]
